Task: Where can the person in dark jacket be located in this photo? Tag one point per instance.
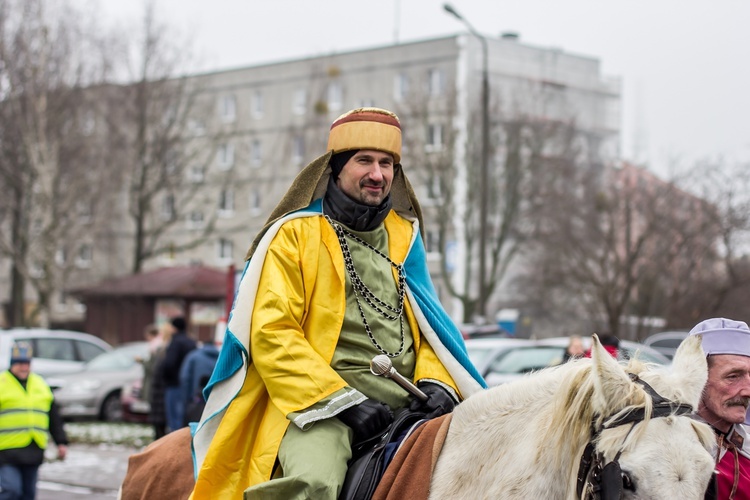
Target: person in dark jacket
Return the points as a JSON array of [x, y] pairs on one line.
[[154, 392], [179, 347], [27, 412], [194, 375]]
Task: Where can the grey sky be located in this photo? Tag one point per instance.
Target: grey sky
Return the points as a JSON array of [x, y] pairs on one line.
[[683, 63]]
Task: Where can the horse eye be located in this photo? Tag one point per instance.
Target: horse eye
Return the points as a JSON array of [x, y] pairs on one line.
[[627, 483]]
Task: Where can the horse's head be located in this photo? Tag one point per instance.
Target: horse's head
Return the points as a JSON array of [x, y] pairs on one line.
[[644, 436]]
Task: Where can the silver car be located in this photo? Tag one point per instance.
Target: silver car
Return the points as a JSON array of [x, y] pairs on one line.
[[666, 342], [95, 391], [54, 351]]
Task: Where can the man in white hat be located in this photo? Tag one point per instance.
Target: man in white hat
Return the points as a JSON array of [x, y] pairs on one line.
[[725, 401], [27, 414]]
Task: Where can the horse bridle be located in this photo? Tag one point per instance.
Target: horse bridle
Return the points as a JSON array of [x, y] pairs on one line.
[[602, 481]]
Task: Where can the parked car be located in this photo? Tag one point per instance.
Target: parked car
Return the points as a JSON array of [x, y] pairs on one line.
[[134, 408], [502, 362], [484, 351], [54, 351], [627, 349], [471, 331], [666, 342], [95, 390]]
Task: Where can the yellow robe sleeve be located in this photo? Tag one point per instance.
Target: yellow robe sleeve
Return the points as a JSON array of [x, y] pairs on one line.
[[296, 375]]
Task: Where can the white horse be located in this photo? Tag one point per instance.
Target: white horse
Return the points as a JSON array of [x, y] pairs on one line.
[[525, 440]]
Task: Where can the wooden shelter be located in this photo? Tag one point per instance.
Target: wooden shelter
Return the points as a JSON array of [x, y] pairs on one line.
[[119, 310]]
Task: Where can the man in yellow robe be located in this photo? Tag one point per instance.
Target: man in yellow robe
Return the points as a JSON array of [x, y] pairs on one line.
[[337, 276]]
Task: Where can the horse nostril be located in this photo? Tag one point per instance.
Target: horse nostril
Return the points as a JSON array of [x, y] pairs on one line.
[[627, 483]]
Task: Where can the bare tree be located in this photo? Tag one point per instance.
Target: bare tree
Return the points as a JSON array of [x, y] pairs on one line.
[[615, 245], [521, 147], [164, 142], [720, 281], [48, 144]]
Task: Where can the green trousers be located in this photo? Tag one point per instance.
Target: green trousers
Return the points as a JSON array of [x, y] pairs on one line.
[[313, 464]]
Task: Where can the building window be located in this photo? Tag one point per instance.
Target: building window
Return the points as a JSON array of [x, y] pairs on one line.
[[197, 174], [435, 82], [432, 243], [226, 156], [171, 161], [255, 202], [335, 96], [225, 249], [226, 203], [61, 256], [434, 139], [196, 127], [36, 226], [167, 207], [299, 102], [37, 270], [400, 87], [89, 123], [298, 149], [256, 153], [85, 256], [256, 104], [85, 211], [195, 220], [228, 108], [434, 188]]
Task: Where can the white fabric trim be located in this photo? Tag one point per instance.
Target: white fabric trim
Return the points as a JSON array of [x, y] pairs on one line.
[[304, 420]]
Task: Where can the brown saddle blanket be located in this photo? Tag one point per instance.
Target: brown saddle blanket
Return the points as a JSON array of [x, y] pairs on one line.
[[163, 470], [409, 473]]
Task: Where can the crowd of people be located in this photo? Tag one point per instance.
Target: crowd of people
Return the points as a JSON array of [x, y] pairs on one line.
[[174, 375]]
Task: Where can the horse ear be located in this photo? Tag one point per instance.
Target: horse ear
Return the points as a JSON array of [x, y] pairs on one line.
[[689, 371], [611, 383]]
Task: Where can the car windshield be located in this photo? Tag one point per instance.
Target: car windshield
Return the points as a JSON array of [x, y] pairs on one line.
[[121, 358], [644, 355], [526, 359], [478, 355]]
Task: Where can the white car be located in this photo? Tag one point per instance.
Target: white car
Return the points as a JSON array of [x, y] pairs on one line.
[[500, 361], [54, 351]]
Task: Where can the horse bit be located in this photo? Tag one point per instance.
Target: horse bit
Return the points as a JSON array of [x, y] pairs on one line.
[[600, 481]]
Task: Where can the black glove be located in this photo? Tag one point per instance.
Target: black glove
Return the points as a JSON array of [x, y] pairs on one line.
[[439, 401], [368, 419]]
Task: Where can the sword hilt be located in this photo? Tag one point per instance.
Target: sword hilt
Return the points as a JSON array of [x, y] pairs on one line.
[[382, 366]]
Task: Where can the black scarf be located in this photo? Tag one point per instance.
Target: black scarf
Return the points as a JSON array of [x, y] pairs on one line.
[[354, 215]]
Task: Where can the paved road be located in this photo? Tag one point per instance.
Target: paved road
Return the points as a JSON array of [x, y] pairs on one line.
[[89, 473]]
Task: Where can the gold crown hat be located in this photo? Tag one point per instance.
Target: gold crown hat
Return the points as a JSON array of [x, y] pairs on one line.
[[366, 128]]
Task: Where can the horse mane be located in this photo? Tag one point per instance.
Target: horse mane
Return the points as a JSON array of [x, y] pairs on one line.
[[574, 403]]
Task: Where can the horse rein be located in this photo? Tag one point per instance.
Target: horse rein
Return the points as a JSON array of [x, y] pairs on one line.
[[600, 481]]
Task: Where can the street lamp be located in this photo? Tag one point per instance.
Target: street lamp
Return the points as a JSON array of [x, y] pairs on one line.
[[484, 167]]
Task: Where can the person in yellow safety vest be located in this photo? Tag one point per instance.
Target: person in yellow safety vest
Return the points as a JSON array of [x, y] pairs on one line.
[[27, 413]]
